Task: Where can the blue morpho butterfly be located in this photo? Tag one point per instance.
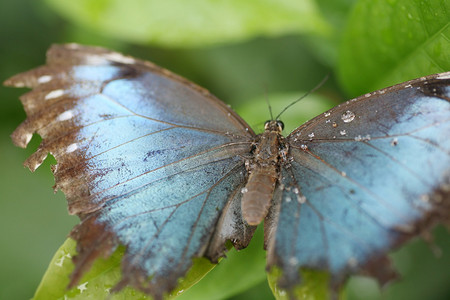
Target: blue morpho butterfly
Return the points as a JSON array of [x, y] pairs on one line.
[[151, 161]]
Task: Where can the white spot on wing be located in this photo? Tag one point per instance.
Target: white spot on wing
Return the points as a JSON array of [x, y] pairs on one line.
[[71, 148], [37, 163], [44, 79], [107, 57], [360, 138], [28, 137], [94, 60], [54, 94], [443, 76], [19, 84], [73, 46], [301, 199], [67, 115], [120, 58], [293, 261]]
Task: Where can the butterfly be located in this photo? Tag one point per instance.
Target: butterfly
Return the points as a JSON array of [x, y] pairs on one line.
[[153, 162]]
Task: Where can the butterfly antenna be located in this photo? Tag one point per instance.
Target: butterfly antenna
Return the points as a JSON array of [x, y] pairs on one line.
[[304, 96], [267, 101]]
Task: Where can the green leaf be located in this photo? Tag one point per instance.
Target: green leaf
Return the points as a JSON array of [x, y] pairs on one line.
[[324, 46], [179, 23], [314, 286], [103, 276], [388, 42]]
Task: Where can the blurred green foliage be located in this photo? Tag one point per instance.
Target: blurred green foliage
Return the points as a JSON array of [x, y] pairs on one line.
[[399, 39], [243, 51], [175, 23]]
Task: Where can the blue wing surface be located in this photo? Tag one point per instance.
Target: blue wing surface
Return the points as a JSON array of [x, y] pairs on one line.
[[145, 158], [363, 177]]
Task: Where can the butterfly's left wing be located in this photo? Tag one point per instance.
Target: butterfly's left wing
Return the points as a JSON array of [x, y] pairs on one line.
[[363, 178], [145, 158]]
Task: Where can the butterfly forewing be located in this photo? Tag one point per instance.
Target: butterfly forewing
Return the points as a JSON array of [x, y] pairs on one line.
[[362, 178], [145, 158]]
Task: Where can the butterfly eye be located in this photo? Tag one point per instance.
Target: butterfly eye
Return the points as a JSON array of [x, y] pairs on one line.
[[280, 124]]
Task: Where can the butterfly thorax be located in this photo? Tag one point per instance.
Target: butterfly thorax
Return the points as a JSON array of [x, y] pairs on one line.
[[263, 168]]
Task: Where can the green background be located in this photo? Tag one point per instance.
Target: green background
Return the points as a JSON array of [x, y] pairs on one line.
[[244, 52]]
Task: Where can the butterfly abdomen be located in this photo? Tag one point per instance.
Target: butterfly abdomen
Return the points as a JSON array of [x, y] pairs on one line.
[[263, 171], [258, 194]]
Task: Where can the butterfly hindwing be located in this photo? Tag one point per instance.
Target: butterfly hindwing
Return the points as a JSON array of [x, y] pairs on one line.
[[145, 158], [361, 179]]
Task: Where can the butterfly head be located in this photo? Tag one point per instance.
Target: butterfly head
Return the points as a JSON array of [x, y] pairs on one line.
[[274, 125]]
